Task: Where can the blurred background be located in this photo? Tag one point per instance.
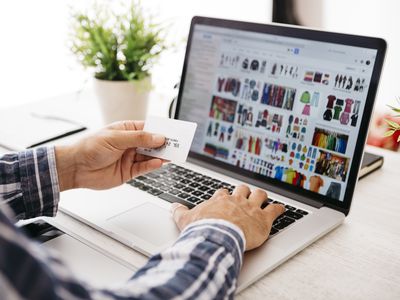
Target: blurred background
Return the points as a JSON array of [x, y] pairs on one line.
[[36, 61]]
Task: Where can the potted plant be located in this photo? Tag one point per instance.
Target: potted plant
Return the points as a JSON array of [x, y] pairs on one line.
[[121, 49]]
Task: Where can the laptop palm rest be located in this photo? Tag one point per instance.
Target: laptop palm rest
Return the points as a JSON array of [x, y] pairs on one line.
[[149, 222]]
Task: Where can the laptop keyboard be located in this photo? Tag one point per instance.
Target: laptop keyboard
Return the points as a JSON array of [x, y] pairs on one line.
[[177, 184]]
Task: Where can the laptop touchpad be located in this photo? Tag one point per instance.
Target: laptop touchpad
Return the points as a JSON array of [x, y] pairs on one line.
[[149, 222]]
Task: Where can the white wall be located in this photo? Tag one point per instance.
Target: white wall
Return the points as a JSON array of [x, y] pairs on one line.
[[366, 17], [35, 61]]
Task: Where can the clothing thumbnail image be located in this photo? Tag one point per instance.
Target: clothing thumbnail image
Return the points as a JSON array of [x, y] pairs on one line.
[[251, 89], [339, 110], [302, 156], [229, 60], [316, 77], [278, 96], [223, 109], [334, 190], [245, 115], [290, 175], [248, 162], [228, 85], [216, 151], [254, 65], [297, 128], [219, 131], [248, 142], [309, 100], [347, 82], [330, 140], [285, 70], [316, 182], [270, 121], [332, 165], [275, 146]]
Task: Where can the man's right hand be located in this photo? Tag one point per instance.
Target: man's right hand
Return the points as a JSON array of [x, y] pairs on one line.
[[242, 208]]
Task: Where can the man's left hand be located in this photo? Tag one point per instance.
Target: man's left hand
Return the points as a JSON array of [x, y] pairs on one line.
[[108, 158]]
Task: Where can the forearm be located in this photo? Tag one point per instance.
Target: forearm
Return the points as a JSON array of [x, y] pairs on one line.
[[203, 263], [29, 183]]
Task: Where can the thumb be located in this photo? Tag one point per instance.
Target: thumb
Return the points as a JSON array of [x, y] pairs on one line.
[[178, 212], [125, 139]]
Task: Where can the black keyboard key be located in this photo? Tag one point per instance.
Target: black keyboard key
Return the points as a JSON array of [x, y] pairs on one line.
[[293, 215], [204, 188], [197, 193], [174, 192], [273, 231], [137, 183], [141, 178], [303, 212], [183, 195], [193, 199], [185, 181], [152, 175], [149, 181], [208, 182], [179, 186], [188, 189], [164, 188], [173, 199], [154, 192], [277, 202], [206, 197], [211, 192], [198, 179], [217, 186], [287, 206], [144, 187], [194, 185], [200, 201]]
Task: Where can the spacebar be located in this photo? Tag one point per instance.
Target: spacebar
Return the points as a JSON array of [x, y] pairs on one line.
[[173, 199]]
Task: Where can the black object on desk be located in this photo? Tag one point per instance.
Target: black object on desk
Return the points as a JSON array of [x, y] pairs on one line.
[[371, 162]]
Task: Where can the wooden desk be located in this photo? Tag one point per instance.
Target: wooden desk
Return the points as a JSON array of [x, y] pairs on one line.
[[358, 260]]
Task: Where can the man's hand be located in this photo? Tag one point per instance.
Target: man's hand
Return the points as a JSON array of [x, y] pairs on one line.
[[108, 158], [242, 208]]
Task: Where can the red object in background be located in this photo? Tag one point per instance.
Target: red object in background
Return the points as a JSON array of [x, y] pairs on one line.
[[377, 130]]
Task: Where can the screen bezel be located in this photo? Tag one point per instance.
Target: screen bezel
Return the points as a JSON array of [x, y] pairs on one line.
[[269, 183]]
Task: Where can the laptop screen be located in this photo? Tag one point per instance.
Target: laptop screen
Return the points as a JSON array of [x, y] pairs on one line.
[[286, 108]]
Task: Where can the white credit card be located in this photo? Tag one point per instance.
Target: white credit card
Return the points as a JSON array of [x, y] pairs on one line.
[[178, 138]]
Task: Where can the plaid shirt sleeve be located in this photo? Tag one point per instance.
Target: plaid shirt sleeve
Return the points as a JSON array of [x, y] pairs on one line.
[[204, 262], [29, 183]]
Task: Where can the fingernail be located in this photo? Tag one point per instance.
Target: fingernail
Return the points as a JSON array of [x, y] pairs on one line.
[[158, 139]]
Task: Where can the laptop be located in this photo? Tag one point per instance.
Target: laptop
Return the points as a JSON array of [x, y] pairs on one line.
[[284, 109]]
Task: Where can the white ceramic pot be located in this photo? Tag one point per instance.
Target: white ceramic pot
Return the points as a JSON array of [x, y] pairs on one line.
[[123, 100]]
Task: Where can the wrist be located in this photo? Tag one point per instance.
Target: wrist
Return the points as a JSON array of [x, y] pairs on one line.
[[66, 167]]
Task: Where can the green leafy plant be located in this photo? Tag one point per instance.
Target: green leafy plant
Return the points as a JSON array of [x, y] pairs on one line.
[[393, 126], [118, 46]]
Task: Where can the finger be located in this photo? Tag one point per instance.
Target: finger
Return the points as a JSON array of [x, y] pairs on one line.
[[257, 197], [242, 190], [178, 212], [124, 139], [273, 211], [127, 125], [142, 167], [220, 192]]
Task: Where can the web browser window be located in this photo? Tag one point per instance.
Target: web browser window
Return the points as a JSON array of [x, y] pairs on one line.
[[286, 108]]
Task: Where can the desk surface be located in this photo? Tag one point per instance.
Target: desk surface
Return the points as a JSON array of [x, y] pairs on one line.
[[358, 260]]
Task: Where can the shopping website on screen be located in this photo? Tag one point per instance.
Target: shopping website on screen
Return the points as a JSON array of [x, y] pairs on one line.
[[285, 108]]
